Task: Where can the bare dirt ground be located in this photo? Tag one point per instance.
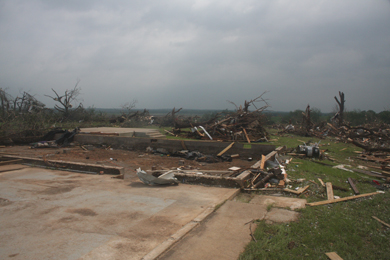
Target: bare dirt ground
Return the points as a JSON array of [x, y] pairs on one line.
[[131, 160]]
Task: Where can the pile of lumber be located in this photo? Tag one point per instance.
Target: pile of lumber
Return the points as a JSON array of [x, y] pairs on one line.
[[242, 124]]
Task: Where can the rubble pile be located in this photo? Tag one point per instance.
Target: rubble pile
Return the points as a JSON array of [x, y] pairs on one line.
[[368, 137], [240, 125]]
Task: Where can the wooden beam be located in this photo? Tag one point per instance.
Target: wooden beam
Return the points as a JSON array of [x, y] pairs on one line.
[[246, 135], [329, 191], [341, 199], [299, 191], [380, 221], [353, 186], [333, 256], [322, 183], [224, 150], [262, 164]]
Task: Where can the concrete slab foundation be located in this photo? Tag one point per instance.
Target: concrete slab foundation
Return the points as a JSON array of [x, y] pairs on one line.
[[223, 236], [46, 214]]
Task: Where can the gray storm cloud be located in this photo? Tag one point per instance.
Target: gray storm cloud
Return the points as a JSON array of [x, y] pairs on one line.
[[198, 54]]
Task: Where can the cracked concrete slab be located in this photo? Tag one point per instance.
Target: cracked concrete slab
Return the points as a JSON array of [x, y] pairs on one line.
[[223, 235], [47, 214]]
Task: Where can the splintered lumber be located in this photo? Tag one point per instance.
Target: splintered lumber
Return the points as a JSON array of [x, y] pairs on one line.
[[387, 174], [353, 186], [11, 162], [322, 183], [235, 155], [329, 191], [333, 256], [264, 180], [270, 156], [170, 132], [341, 199], [367, 172], [299, 191], [262, 162], [255, 179], [246, 135], [380, 221], [224, 150]]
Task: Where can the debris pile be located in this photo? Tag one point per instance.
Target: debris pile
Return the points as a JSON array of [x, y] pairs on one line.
[[191, 155], [269, 172], [239, 125]]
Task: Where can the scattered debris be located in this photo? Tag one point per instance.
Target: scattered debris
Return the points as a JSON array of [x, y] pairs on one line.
[[333, 256], [164, 179], [353, 186], [382, 222], [341, 199]]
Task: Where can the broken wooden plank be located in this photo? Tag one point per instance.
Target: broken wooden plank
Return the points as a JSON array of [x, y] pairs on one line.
[[329, 191], [333, 256], [246, 135], [367, 173], [235, 155], [353, 186], [322, 183], [264, 180], [11, 162], [324, 202], [262, 164], [170, 132], [227, 148], [387, 174], [299, 191], [380, 221]]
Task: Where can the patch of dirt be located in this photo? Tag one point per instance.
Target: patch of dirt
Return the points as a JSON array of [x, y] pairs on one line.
[[4, 202], [131, 160], [57, 190], [83, 211]]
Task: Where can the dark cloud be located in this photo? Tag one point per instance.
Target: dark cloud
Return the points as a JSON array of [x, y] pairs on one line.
[[198, 54]]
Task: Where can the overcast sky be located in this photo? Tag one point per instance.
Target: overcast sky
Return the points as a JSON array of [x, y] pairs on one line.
[[198, 54]]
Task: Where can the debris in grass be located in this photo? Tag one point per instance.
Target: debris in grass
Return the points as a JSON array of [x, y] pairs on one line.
[[382, 222], [341, 199], [333, 256]]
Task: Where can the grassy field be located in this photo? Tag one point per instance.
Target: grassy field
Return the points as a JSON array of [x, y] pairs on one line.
[[345, 227]]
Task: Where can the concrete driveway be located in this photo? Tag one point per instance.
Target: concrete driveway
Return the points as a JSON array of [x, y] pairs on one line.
[[47, 214]]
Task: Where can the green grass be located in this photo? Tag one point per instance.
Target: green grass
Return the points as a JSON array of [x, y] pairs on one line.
[[345, 227]]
